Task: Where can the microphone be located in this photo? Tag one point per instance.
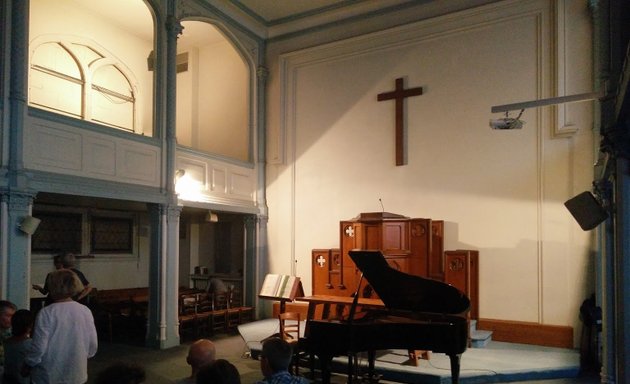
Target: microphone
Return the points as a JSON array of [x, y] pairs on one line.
[[382, 207]]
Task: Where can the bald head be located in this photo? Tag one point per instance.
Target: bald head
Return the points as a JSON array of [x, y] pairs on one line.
[[200, 353]]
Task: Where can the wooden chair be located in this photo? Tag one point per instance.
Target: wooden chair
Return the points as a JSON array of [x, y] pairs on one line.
[[237, 313], [290, 332], [204, 311], [218, 316], [187, 312]]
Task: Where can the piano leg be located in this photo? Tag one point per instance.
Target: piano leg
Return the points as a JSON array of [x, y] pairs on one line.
[[371, 360], [351, 357], [372, 376], [353, 366], [325, 363], [455, 368]]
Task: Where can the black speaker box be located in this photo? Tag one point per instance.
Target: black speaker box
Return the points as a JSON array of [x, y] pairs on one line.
[[586, 210]]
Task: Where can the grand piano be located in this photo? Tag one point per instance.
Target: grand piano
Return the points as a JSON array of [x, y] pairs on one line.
[[418, 314]]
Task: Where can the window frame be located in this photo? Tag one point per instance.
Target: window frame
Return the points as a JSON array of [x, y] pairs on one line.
[[89, 89], [88, 217]]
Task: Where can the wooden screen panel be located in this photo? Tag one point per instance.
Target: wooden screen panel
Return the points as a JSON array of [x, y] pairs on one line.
[[420, 244], [373, 236], [326, 270], [320, 268], [351, 235], [436, 258], [395, 238], [398, 263], [462, 272]]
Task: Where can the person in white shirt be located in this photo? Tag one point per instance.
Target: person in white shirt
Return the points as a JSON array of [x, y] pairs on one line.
[[64, 337]]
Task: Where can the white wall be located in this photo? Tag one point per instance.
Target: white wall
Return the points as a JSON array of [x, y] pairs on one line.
[[212, 95], [331, 148]]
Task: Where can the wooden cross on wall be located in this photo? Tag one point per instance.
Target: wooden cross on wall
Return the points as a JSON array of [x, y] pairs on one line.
[[399, 95]]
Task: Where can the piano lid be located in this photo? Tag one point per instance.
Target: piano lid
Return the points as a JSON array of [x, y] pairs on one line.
[[402, 291]]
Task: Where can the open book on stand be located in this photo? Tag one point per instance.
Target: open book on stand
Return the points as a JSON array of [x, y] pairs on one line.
[[281, 287]]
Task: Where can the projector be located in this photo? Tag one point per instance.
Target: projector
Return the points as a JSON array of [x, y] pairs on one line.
[[506, 123]]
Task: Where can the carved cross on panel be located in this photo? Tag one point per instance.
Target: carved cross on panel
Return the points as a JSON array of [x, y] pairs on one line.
[[321, 261], [399, 95]]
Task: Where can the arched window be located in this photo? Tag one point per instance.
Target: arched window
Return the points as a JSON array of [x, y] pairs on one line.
[[112, 98], [56, 81], [82, 81]]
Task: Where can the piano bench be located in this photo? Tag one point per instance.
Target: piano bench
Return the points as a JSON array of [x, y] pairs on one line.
[[414, 355]]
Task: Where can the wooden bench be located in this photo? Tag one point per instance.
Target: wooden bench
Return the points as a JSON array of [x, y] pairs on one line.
[[124, 304]]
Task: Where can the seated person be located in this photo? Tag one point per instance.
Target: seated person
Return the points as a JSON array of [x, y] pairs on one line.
[[16, 346], [275, 359], [7, 309], [219, 372], [200, 354], [216, 285], [121, 373]]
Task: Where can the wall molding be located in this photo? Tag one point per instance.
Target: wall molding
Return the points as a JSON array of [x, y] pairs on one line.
[[528, 333], [407, 35], [53, 147], [561, 127], [208, 180]]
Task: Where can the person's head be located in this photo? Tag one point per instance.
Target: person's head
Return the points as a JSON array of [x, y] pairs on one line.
[[63, 284], [219, 372], [216, 285], [67, 260], [7, 309], [121, 373], [201, 352], [275, 356], [22, 322], [57, 262]]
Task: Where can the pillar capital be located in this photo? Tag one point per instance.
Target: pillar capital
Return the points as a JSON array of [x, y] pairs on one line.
[[174, 26]]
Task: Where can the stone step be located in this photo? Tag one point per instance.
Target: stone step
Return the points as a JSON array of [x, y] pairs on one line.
[[479, 339], [473, 325]]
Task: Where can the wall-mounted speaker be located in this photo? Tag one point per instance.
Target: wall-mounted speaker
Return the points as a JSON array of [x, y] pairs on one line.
[[586, 210], [29, 225]]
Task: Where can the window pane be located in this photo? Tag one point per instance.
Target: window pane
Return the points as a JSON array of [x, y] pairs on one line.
[[108, 109], [112, 235], [85, 54], [54, 57], [57, 232], [112, 98], [55, 93], [109, 77]]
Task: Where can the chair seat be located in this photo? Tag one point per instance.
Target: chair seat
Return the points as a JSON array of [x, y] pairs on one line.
[[290, 332]]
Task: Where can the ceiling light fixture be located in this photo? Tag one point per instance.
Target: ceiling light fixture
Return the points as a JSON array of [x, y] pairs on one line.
[[211, 217], [514, 123], [508, 122]]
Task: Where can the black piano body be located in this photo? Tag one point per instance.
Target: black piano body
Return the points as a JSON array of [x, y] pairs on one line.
[[421, 314]]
